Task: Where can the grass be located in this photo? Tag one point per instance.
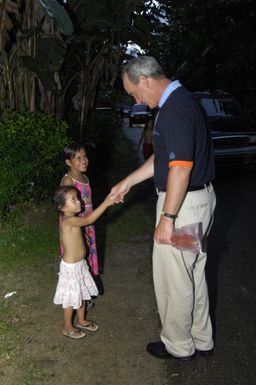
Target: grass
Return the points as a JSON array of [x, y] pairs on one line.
[[31, 239], [10, 335], [127, 221]]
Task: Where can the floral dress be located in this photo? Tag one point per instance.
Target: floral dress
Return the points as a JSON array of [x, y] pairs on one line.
[[88, 231]]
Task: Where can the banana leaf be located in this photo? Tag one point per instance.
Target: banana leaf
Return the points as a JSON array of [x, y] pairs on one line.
[[45, 77], [49, 54], [59, 14]]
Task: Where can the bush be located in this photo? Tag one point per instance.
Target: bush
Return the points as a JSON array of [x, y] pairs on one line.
[[30, 148]]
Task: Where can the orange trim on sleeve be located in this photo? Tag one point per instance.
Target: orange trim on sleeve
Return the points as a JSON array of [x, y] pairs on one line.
[[184, 163]]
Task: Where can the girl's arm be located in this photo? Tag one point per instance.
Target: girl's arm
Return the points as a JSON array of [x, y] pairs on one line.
[[90, 218]]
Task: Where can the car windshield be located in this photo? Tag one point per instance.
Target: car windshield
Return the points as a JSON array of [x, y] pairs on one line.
[[221, 108], [139, 108]]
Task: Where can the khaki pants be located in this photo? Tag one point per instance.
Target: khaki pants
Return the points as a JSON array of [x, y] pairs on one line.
[[179, 281]]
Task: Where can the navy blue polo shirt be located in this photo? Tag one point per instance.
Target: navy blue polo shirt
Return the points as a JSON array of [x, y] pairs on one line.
[[181, 137]]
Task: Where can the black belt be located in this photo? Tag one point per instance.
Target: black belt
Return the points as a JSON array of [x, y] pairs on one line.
[[195, 188], [191, 188]]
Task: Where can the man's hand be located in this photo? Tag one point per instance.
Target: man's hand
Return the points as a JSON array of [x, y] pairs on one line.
[[163, 231]]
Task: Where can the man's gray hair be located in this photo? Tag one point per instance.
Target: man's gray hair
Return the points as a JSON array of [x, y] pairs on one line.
[[142, 66]]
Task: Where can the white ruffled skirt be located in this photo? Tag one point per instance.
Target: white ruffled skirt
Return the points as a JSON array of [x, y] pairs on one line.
[[75, 284]]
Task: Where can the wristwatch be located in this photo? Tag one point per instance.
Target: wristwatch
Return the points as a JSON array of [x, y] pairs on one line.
[[167, 215]]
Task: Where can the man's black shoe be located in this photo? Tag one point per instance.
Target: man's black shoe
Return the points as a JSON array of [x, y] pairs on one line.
[[157, 349], [205, 353]]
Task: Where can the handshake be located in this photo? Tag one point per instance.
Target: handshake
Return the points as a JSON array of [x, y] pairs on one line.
[[118, 192]]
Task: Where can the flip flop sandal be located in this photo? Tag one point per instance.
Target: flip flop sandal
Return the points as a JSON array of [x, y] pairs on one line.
[[76, 334], [91, 327]]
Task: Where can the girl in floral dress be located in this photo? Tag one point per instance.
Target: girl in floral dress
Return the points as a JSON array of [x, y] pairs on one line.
[[77, 162]]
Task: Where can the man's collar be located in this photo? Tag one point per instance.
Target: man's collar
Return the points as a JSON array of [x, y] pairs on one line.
[[167, 92]]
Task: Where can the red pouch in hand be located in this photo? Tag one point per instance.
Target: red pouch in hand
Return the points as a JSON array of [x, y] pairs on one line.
[[187, 238]]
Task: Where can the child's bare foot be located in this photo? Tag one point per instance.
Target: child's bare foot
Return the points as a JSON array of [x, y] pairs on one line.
[[91, 326]]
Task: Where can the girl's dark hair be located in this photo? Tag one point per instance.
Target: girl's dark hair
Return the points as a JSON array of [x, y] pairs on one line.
[[59, 198], [71, 150]]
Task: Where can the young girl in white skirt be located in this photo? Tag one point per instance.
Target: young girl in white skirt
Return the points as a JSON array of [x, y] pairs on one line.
[[75, 284]]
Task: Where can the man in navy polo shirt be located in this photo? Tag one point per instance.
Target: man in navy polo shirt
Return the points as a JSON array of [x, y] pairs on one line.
[[183, 168]]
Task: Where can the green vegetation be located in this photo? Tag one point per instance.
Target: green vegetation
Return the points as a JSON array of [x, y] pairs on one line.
[[26, 245], [9, 336], [31, 239], [30, 148], [43, 70]]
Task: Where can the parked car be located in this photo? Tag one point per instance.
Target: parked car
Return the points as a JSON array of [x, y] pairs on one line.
[[233, 133], [139, 114], [126, 110]]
